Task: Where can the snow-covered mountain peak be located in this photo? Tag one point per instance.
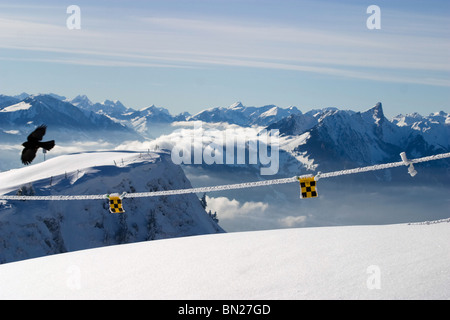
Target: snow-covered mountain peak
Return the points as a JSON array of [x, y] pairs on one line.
[[236, 106], [374, 114], [155, 110], [440, 117], [81, 101], [408, 119], [22, 96], [378, 110], [109, 107], [294, 109], [113, 104], [272, 112]]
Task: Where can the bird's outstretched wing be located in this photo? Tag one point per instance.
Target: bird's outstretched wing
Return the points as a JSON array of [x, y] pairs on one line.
[[37, 134], [28, 154]]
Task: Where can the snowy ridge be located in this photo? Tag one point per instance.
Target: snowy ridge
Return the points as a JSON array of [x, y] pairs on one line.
[[361, 262], [33, 229]]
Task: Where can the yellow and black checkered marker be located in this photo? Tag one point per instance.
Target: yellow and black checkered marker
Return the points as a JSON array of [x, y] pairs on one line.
[[308, 187], [115, 203]]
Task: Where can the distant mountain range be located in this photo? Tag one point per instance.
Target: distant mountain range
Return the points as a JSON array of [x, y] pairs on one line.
[[245, 116], [66, 121], [319, 139], [339, 139], [139, 120]]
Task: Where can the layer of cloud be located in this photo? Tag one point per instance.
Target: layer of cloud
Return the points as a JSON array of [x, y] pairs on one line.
[[232, 209], [292, 221]]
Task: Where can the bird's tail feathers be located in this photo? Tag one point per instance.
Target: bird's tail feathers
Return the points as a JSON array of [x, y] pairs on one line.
[[48, 145]]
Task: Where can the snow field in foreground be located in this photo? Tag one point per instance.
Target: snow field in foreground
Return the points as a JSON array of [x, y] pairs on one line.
[[359, 262]]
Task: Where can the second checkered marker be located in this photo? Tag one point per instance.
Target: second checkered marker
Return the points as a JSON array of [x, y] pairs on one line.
[[308, 187]]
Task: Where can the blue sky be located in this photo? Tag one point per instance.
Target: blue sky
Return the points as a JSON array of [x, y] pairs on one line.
[[190, 55]]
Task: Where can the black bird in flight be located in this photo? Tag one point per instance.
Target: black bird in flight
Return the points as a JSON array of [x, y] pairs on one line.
[[33, 143]]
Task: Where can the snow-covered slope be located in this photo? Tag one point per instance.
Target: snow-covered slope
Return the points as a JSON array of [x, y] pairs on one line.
[[37, 228], [363, 262]]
